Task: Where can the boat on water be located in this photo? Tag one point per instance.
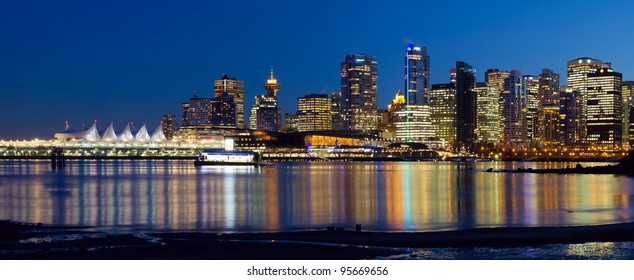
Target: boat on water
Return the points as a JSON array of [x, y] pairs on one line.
[[222, 157]]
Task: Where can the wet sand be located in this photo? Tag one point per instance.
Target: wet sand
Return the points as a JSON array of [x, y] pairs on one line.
[[22, 241]]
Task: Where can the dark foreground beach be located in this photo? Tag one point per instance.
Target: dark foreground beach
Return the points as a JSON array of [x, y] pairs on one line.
[[28, 241]]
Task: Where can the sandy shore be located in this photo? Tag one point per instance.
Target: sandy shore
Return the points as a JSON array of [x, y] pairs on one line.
[[22, 241]]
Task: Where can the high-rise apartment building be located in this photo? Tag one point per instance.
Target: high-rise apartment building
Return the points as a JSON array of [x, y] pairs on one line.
[[604, 109], [313, 113], [234, 88], [266, 115], [548, 115], [465, 106], [578, 70], [514, 110], [442, 102], [488, 114], [358, 93], [627, 91], [416, 75]]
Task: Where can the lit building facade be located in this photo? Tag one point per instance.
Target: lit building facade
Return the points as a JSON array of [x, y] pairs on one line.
[[266, 115], [170, 126], [416, 75], [413, 123], [569, 122], [313, 113], [495, 77], [627, 91], [397, 102], [488, 114], [335, 110], [442, 102], [465, 106], [223, 111], [358, 93], [234, 88], [548, 115], [531, 92], [197, 111], [514, 110], [578, 70], [604, 109]]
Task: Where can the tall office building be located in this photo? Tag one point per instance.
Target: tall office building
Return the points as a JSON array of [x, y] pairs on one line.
[[266, 115], [442, 102], [358, 93], [578, 70], [416, 75], [548, 116], [514, 110], [627, 90], [223, 111], [313, 113], [197, 111], [452, 76], [335, 110], [465, 106], [604, 109], [488, 114], [569, 111], [531, 92], [234, 88], [170, 126], [496, 78]]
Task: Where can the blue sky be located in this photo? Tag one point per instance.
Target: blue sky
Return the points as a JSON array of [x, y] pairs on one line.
[[134, 61]]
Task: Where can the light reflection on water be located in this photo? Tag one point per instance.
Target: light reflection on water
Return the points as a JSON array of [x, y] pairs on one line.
[[388, 196]]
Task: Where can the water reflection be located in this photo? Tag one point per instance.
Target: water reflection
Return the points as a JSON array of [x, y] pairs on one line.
[[392, 196]]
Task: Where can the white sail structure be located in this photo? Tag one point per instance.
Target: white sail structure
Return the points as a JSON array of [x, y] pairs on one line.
[[158, 134], [109, 135], [126, 134], [90, 134], [142, 134]]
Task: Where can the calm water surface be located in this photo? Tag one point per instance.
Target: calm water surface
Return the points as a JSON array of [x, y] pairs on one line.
[[387, 196]]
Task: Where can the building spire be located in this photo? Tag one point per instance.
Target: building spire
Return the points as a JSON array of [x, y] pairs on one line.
[[272, 78]]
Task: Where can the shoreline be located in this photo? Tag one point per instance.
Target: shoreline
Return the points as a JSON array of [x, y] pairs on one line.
[[28, 241]]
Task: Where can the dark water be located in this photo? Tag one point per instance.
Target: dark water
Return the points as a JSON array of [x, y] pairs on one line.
[[387, 196]]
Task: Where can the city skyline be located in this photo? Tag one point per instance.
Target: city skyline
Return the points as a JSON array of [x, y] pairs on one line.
[[123, 62]]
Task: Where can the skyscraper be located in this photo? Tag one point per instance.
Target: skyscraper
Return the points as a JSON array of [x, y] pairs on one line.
[[234, 88], [496, 78], [358, 93], [416, 75], [569, 111], [442, 102], [313, 113], [223, 111], [530, 87], [197, 111], [548, 116], [514, 110], [266, 115], [578, 70], [604, 109], [465, 106], [170, 125], [488, 114], [335, 110]]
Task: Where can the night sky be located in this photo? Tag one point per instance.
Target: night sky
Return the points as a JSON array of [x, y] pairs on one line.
[[120, 61]]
